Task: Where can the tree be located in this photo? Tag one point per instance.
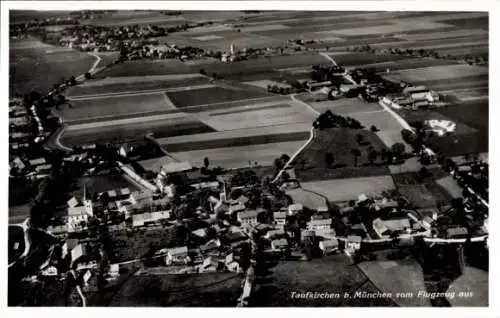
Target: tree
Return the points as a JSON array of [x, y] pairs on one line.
[[374, 128], [328, 159], [355, 153], [398, 149], [423, 173], [372, 155], [202, 72], [88, 75], [72, 81], [206, 162], [359, 139]]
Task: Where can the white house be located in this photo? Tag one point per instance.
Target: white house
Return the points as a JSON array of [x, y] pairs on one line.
[[247, 217], [76, 215], [178, 255], [295, 208], [328, 246], [280, 244], [353, 242], [149, 217], [280, 219], [320, 225], [274, 233]]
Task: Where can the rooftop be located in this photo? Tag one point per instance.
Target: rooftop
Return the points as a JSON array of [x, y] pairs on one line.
[[176, 167]]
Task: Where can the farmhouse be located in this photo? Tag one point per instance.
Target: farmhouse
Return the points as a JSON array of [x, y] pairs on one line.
[[279, 219], [178, 255], [328, 246], [247, 217], [175, 167], [353, 242], [319, 224], [457, 232], [150, 217], [279, 245], [295, 208]]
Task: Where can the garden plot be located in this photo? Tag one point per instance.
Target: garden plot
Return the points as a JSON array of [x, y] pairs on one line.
[[146, 68], [308, 199], [436, 73], [341, 190], [109, 107]]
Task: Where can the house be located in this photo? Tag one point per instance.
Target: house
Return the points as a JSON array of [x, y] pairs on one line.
[[320, 225], [280, 219], [77, 218], [18, 163], [178, 255], [174, 167], [58, 230], [279, 244], [379, 227], [210, 264], [211, 245], [73, 202], [150, 217], [457, 232], [295, 208], [68, 246], [248, 217], [200, 232], [427, 222], [37, 162], [353, 242], [43, 169], [274, 233], [397, 224], [415, 89], [79, 253], [235, 208], [307, 235], [328, 246]]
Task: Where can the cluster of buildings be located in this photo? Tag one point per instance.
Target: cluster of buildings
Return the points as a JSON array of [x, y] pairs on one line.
[[412, 97]]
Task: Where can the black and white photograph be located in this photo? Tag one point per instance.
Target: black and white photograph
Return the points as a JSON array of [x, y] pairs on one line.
[[192, 157]]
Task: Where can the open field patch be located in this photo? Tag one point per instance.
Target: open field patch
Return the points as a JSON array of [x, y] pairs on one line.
[[258, 115], [269, 27], [211, 95], [207, 37], [112, 106], [334, 273], [109, 87], [474, 281], [474, 81], [444, 35], [451, 186], [253, 154], [145, 68], [132, 130], [401, 276], [436, 73], [308, 199], [470, 23], [355, 59], [311, 163], [425, 193], [344, 106], [384, 29], [239, 137], [31, 69], [190, 290], [340, 190]]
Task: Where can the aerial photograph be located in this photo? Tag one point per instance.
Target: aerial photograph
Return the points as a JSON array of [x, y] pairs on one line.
[[254, 158]]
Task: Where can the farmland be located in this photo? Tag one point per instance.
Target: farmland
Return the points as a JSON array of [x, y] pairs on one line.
[[190, 290], [333, 273], [29, 57], [210, 95], [340, 190], [339, 142]]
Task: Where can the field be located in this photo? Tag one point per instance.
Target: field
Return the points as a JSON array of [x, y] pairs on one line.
[[31, 68], [110, 107], [308, 199], [402, 276], [211, 95], [340, 190], [111, 85], [332, 274], [133, 130], [422, 193], [436, 73], [190, 290], [339, 142], [472, 280]]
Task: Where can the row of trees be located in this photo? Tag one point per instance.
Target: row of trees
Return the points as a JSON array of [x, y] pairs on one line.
[[330, 120]]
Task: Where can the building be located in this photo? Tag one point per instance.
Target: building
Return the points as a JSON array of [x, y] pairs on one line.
[[397, 224], [78, 253], [58, 230], [236, 208], [280, 244], [353, 242], [175, 167], [274, 233], [247, 217], [149, 217], [295, 208], [427, 222], [457, 232], [37, 162], [415, 89], [178, 255], [328, 246], [77, 218], [279, 219], [320, 225]]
